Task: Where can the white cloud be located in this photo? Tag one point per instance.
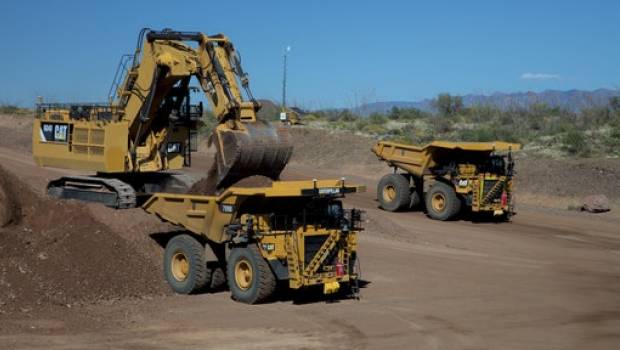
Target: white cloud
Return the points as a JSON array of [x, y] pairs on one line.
[[540, 76]]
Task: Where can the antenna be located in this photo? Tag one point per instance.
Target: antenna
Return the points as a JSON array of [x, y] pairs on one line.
[[284, 57]]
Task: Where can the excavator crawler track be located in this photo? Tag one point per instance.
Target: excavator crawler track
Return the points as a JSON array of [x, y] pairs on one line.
[[113, 193]]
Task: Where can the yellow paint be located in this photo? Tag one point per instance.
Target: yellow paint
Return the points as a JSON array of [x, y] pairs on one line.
[[203, 215]]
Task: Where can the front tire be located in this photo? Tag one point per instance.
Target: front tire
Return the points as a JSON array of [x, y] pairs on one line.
[[393, 192], [250, 278], [185, 265], [442, 202]]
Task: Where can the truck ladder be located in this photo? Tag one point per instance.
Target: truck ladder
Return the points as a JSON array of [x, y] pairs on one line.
[[292, 258], [321, 254]]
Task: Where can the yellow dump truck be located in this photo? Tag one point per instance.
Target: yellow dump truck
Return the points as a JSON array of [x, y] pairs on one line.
[[448, 176], [295, 231]]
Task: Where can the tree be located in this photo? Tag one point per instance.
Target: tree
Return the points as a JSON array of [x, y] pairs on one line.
[[394, 113], [448, 105]]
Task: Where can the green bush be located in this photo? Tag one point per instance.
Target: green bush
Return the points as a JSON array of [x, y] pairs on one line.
[[13, 109], [377, 118], [574, 142]]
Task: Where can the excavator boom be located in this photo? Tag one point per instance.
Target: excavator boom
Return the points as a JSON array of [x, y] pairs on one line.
[[244, 145]]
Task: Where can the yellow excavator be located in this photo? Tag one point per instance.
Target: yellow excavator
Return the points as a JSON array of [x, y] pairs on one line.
[[148, 126]]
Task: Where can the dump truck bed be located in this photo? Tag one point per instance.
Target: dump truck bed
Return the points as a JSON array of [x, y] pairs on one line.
[[416, 159], [207, 215]]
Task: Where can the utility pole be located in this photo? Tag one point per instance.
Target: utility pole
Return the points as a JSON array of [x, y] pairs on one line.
[[283, 116]]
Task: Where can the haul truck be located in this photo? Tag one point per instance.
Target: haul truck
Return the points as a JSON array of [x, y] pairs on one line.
[[294, 231], [448, 176]]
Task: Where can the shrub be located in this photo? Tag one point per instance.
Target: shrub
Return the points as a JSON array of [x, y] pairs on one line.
[[574, 142], [377, 118], [12, 109]]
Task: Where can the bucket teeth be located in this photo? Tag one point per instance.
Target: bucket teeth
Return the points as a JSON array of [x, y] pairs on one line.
[[260, 149]]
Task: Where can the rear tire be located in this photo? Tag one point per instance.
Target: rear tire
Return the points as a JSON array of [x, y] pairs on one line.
[[393, 192], [185, 265], [250, 278], [442, 202]]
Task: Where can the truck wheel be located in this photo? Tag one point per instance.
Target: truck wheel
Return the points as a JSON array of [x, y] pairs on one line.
[[393, 192], [185, 265], [250, 278], [442, 202]]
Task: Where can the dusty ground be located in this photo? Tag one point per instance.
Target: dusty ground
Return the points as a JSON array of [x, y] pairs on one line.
[[548, 280]]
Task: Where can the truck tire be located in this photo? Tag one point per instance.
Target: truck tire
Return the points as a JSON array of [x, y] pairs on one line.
[[442, 202], [250, 278], [393, 192], [185, 265]]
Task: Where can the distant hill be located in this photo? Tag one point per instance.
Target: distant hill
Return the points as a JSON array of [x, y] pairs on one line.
[[573, 100]]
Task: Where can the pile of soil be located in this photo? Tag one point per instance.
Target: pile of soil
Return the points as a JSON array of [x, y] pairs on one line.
[[330, 149], [58, 254], [569, 177]]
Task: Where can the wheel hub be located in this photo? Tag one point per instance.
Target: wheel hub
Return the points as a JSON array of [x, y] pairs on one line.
[[389, 193], [180, 266], [243, 274], [439, 202]]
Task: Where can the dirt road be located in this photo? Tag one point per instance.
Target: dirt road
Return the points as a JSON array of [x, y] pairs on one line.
[[549, 280]]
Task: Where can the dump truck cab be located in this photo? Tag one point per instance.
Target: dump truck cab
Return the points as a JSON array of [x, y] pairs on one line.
[[294, 231], [447, 176]]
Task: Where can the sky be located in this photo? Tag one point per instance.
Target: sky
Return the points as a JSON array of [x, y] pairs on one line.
[[343, 53]]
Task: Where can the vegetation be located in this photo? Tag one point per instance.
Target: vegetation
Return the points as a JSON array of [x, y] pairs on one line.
[[12, 109], [591, 132]]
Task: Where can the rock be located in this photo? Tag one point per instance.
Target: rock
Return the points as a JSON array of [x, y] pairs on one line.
[[596, 204]]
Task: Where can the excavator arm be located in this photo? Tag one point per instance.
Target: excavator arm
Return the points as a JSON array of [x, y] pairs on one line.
[[158, 80]]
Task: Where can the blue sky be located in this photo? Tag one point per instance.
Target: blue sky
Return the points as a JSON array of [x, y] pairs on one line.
[[343, 52]]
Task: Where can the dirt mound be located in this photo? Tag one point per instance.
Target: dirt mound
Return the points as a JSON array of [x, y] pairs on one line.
[[60, 255], [332, 149], [569, 177]]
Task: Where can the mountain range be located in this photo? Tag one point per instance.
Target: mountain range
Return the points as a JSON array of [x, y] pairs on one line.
[[573, 100]]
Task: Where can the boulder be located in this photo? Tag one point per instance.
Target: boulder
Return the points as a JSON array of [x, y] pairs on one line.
[[596, 204]]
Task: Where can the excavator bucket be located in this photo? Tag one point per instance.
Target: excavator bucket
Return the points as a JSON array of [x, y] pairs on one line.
[[260, 149]]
